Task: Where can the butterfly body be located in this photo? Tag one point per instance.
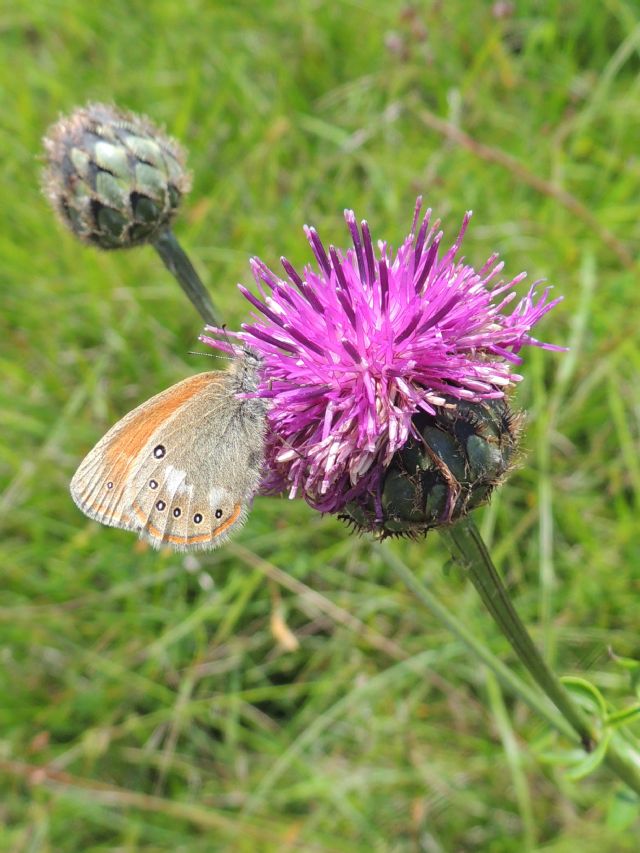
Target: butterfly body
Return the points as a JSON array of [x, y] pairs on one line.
[[182, 467]]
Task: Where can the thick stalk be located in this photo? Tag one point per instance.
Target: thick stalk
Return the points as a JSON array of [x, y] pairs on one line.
[[511, 682], [177, 262], [468, 549]]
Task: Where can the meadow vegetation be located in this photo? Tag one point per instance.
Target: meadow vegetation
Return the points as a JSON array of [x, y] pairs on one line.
[[285, 692]]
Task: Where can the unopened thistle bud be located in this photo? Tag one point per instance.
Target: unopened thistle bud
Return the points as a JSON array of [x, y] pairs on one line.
[[113, 177]]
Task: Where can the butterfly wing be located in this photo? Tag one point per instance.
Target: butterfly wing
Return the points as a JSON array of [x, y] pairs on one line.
[[180, 468]]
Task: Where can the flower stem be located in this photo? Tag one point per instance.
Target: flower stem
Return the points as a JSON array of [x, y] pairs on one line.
[[468, 549], [507, 677], [177, 262]]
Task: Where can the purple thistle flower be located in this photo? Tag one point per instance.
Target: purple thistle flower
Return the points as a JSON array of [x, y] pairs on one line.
[[355, 349]]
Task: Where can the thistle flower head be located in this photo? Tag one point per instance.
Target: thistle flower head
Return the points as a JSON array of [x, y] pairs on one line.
[[113, 177], [384, 369]]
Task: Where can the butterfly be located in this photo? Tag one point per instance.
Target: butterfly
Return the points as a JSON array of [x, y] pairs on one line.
[[181, 468]]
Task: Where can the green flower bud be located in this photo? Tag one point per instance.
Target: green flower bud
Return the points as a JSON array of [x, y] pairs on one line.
[[113, 177], [463, 453]]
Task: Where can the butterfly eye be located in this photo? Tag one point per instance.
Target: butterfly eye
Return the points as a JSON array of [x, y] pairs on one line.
[[109, 485], [159, 451], [160, 505], [197, 518], [218, 513], [153, 484], [177, 512]]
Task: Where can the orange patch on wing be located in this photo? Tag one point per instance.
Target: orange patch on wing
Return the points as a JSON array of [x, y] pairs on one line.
[[186, 540], [147, 418]]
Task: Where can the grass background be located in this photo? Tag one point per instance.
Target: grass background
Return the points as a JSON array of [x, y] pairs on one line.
[[159, 692]]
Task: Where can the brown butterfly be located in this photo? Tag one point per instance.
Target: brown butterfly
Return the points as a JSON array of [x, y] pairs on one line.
[[182, 467]]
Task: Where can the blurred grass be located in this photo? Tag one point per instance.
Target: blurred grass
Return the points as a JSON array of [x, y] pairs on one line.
[[153, 687]]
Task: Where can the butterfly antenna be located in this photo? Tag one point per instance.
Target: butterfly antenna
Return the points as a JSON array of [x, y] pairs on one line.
[[233, 345], [212, 355]]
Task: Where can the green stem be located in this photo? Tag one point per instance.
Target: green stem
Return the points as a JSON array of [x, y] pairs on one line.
[[509, 680], [177, 262], [467, 547]]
